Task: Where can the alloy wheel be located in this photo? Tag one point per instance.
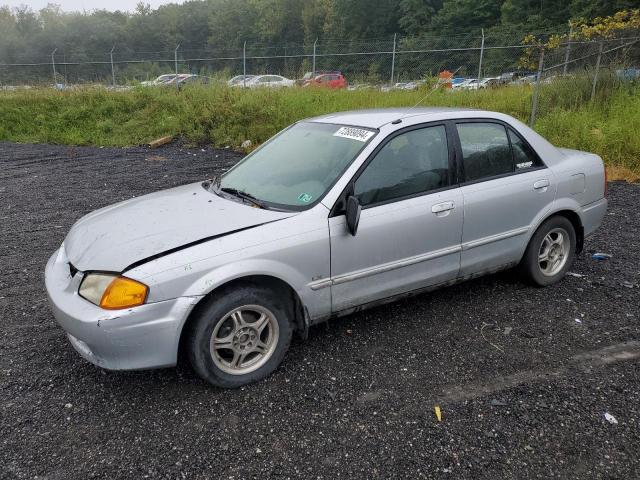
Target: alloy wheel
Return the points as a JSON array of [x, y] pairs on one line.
[[244, 339], [554, 252]]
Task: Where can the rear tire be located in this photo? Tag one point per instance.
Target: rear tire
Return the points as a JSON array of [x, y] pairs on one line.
[[239, 336], [550, 252]]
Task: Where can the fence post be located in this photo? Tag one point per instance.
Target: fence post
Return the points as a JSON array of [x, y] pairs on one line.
[[53, 64], [286, 69], [175, 59], [393, 58], [244, 65], [595, 76], [568, 50], [313, 69], [113, 72], [536, 91], [481, 55]]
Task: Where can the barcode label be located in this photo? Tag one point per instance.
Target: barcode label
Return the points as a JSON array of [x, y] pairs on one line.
[[359, 134]]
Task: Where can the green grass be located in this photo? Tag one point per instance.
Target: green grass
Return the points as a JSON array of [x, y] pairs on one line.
[[221, 116]]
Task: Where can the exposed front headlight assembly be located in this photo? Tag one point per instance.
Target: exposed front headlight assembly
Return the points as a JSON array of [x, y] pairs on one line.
[[112, 291]]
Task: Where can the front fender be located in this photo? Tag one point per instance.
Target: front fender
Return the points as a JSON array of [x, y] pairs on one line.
[[315, 301]]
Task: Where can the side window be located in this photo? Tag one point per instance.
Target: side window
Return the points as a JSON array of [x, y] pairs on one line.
[[485, 150], [411, 163], [523, 154]]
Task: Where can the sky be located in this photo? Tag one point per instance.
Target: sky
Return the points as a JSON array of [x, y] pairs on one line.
[[86, 5]]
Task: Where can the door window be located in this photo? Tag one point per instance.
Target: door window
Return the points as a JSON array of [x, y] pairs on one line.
[[411, 163], [485, 150]]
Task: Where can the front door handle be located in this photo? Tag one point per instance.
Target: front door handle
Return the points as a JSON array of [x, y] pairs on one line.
[[442, 207], [540, 184]]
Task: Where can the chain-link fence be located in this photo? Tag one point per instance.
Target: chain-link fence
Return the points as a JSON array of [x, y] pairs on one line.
[[377, 62]]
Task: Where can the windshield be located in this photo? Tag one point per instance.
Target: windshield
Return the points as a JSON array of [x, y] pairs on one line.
[[297, 167]]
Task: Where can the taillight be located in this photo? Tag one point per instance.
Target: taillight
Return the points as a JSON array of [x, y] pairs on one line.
[[606, 184]]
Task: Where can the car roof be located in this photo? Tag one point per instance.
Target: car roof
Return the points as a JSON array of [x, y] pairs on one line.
[[377, 117]]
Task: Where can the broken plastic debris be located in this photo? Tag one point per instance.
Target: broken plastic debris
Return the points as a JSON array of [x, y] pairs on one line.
[[601, 256], [610, 418], [246, 144], [577, 275], [436, 409], [578, 320]]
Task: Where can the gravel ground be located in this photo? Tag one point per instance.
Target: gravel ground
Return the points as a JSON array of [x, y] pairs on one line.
[[523, 386]]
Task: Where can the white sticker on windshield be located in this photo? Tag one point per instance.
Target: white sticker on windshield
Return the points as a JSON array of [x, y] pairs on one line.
[[353, 133]]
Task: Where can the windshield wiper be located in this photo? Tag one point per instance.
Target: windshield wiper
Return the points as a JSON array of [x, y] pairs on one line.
[[243, 195]]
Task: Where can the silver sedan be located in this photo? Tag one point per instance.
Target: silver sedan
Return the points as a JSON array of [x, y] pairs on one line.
[[332, 215]]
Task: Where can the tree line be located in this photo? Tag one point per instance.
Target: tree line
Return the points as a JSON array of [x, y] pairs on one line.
[[219, 26]]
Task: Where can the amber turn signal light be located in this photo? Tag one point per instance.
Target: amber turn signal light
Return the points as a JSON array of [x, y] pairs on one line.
[[123, 292]]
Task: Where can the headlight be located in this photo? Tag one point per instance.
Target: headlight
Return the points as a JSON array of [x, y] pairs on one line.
[[112, 291]]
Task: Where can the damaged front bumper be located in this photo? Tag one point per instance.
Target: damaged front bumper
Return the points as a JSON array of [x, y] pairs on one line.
[[142, 337]]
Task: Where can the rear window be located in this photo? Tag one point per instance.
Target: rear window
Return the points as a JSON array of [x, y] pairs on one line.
[[485, 150]]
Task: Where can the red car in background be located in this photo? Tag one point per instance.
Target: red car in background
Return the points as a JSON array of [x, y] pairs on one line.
[[327, 79]]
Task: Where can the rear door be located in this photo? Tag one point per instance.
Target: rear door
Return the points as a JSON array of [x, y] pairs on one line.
[[411, 222], [506, 187]]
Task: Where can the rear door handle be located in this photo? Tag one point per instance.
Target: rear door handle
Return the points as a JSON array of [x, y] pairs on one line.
[[544, 183], [443, 207]]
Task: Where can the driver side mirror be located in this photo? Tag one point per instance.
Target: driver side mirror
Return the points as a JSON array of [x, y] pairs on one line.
[[353, 214]]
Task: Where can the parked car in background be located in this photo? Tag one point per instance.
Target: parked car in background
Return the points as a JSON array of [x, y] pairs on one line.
[[463, 85], [525, 80], [332, 215], [511, 77], [403, 86], [360, 86], [161, 80], [239, 80], [328, 80], [490, 82], [188, 79], [413, 85], [628, 73], [270, 81], [474, 84], [311, 75]]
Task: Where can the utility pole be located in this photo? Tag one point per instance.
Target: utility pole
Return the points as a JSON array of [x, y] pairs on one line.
[[53, 64]]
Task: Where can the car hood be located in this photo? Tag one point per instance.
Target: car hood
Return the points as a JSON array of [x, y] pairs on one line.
[[115, 237]]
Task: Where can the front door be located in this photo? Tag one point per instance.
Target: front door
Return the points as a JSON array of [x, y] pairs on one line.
[[411, 223]]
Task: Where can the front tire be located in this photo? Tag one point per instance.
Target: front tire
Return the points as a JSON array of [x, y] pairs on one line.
[[550, 252], [239, 336]]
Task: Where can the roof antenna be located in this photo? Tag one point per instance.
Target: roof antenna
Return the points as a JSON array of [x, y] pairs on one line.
[[395, 122]]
